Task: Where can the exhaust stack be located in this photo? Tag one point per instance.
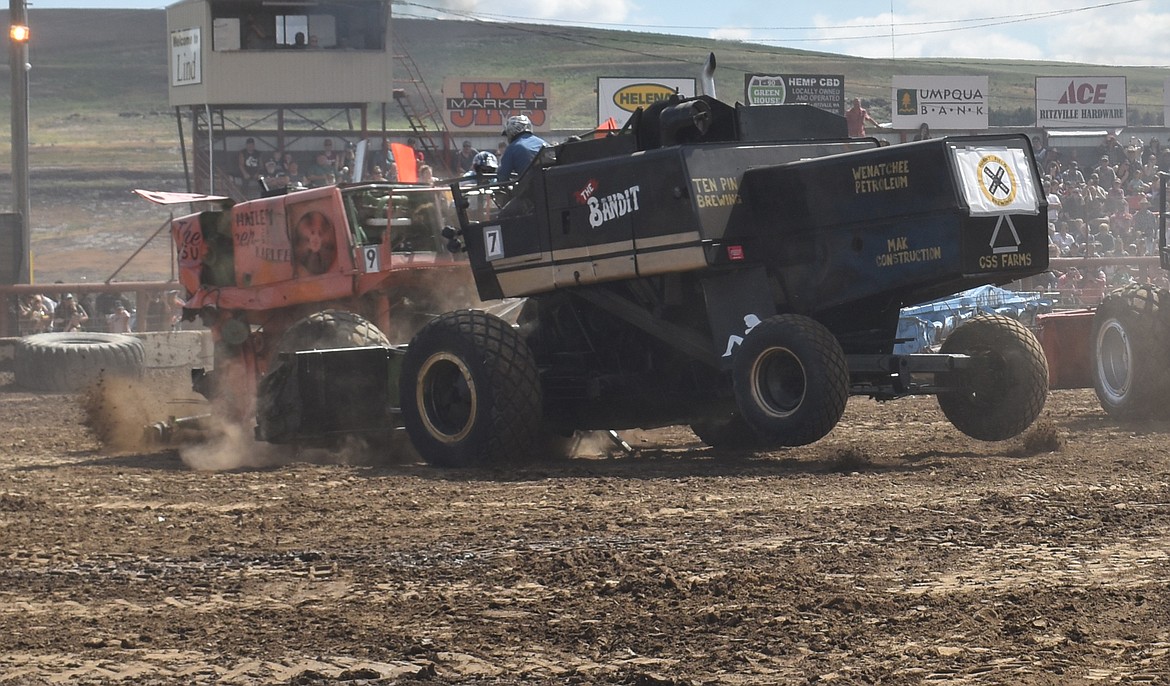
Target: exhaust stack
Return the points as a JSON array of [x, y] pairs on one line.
[[707, 78]]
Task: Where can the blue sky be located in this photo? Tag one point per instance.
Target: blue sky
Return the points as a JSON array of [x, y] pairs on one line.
[[1118, 32]]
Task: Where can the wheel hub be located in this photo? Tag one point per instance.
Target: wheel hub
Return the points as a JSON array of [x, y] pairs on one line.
[[447, 398], [779, 381], [1114, 357]]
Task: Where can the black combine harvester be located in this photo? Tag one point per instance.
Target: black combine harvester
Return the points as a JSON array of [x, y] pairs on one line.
[[736, 269]]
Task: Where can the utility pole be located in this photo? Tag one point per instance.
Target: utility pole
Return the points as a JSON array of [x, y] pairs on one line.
[[18, 66]]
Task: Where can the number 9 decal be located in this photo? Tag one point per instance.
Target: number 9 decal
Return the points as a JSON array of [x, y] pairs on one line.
[[371, 259]]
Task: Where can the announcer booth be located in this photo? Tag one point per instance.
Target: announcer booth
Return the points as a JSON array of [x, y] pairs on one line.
[[286, 73]]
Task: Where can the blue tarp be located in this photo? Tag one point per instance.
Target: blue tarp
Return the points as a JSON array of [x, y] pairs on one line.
[[923, 328]]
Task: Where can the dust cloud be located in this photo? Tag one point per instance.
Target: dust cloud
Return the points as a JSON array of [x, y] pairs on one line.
[[424, 294], [128, 415], [119, 409], [229, 445]]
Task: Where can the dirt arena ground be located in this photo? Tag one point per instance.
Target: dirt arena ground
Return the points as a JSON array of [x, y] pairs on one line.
[[895, 551]]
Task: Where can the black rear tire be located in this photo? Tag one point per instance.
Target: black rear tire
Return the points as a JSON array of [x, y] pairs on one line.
[[1130, 334], [1003, 395], [470, 392], [791, 380], [69, 361]]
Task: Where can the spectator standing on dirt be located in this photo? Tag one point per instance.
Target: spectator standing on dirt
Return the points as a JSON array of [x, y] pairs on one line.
[[426, 175], [34, 314], [420, 158], [523, 145], [855, 117], [465, 158], [1069, 286], [250, 167], [69, 315], [157, 313], [118, 320]]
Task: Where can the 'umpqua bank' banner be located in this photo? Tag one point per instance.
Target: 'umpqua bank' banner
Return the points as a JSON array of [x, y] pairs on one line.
[[618, 97], [823, 91], [940, 102]]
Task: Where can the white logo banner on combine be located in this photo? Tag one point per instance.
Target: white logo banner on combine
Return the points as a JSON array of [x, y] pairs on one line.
[[613, 206], [997, 181]]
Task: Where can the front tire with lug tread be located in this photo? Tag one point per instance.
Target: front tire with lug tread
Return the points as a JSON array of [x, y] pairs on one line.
[[470, 392], [1005, 391]]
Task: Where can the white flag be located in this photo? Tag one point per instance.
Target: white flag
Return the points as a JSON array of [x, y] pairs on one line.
[[997, 181]]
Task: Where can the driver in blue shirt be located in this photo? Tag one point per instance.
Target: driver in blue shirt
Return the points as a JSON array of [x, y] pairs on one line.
[[522, 147]]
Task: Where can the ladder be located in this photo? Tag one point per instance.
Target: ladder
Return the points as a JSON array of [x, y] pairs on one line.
[[427, 120]]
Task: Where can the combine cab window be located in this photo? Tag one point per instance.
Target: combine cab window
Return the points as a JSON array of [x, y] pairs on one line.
[[410, 219]]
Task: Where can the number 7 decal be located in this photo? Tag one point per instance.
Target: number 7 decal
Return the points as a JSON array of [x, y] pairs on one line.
[[493, 242]]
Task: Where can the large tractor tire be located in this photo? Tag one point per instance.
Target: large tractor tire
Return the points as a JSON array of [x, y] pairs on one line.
[[791, 380], [470, 392], [319, 331], [1131, 337], [1000, 398], [69, 361], [330, 329]]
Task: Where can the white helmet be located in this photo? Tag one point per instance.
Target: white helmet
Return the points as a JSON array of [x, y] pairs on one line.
[[484, 163], [517, 125]]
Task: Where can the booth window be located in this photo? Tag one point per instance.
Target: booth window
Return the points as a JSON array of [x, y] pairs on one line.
[[275, 25]]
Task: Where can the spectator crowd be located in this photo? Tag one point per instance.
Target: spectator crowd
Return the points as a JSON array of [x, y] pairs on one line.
[[107, 312], [1104, 209]]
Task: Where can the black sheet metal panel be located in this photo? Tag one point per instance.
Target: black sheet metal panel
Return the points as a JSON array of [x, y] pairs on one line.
[[788, 122], [504, 251], [716, 175], [346, 390], [599, 209], [737, 300], [890, 222]]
